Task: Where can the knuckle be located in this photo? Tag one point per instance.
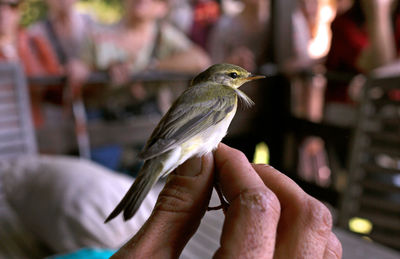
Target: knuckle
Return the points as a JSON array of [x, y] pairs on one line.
[[239, 155], [336, 245], [261, 200], [333, 247], [318, 217]]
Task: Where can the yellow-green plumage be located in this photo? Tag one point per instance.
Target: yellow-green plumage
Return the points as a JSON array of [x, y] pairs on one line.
[[193, 126]]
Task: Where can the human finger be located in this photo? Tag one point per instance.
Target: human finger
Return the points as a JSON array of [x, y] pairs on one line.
[[252, 218], [333, 248], [177, 214], [305, 223], [114, 74], [119, 73]]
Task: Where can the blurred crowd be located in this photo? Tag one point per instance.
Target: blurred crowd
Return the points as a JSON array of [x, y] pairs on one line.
[[187, 36]]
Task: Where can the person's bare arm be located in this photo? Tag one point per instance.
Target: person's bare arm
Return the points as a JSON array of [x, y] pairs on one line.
[[192, 60], [382, 49]]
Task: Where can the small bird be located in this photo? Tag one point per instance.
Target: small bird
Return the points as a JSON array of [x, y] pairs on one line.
[[193, 126]]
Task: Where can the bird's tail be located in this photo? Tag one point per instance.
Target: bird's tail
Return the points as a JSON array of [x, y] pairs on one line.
[[132, 200]]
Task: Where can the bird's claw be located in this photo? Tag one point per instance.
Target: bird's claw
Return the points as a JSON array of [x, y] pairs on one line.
[[224, 206]]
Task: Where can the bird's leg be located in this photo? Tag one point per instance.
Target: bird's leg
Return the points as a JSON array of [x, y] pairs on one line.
[[224, 204]]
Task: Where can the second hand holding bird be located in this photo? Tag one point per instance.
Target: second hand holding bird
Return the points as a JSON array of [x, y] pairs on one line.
[[193, 126]]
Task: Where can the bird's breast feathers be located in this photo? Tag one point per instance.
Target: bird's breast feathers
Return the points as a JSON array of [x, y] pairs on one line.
[[198, 145], [209, 139]]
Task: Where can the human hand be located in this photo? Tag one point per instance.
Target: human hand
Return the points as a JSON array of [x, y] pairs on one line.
[[138, 90], [77, 74], [177, 213], [269, 216], [119, 73]]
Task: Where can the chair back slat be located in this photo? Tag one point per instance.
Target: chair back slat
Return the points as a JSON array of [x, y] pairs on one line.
[[17, 135]]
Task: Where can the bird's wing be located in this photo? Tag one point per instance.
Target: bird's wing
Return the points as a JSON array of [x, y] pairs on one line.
[[191, 113]]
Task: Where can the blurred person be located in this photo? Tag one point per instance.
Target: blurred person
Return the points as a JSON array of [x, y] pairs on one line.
[[32, 51], [309, 10], [181, 15], [293, 60], [365, 37], [342, 6], [307, 88], [241, 39], [304, 19], [141, 41], [307, 83], [65, 28], [205, 15], [19, 45], [67, 31]]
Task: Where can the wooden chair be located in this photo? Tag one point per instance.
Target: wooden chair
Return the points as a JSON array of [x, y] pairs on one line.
[[17, 135]]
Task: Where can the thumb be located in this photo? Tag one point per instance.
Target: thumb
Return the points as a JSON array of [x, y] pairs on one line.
[[177, 214]]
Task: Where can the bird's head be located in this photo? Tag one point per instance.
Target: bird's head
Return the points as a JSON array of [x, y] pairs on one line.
[[226, 74]]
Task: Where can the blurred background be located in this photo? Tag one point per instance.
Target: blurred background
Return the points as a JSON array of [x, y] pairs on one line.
[[88, 81]]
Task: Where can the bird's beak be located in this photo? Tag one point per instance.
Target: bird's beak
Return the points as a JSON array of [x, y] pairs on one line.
[[253, 77]]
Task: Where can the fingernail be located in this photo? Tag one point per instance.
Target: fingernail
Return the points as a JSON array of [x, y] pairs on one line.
[[191, 167], [269, 166]]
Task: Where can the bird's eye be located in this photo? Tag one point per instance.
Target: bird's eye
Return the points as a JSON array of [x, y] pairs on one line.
[[233, 75]]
